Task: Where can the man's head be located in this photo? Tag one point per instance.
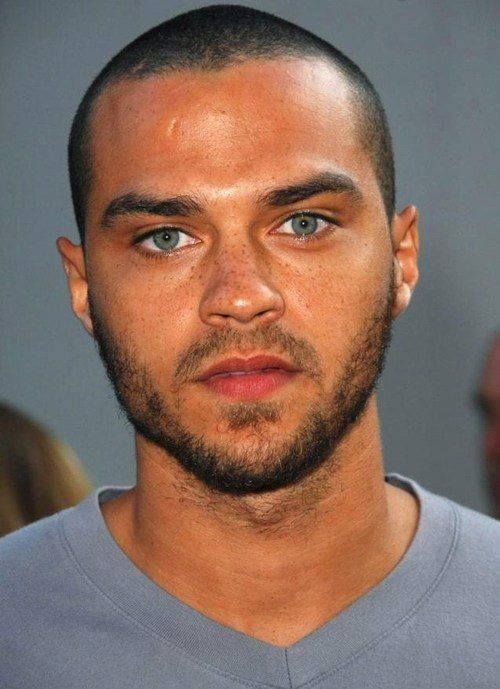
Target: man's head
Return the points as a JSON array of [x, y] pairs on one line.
[[235, 205]]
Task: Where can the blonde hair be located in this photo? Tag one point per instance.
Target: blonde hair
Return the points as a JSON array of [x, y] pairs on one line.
[[39, 474]]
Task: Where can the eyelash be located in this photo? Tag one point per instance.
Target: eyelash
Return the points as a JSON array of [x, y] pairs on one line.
[[158, 255]]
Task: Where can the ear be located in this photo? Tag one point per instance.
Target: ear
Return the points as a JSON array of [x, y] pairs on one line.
[[73, 260], [405, 244]]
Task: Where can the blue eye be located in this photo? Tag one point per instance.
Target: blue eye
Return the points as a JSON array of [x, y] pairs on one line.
[[164, 240], [305, 225], [167, 238]]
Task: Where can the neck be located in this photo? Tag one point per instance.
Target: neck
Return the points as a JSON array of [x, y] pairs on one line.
[[274, 566]]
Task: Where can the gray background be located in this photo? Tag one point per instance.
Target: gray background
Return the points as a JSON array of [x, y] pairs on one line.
[[434, 66]]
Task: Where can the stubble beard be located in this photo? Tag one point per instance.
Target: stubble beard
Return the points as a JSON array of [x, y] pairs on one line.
[[268, 463]]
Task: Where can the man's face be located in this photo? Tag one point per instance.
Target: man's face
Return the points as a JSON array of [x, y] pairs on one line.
[[232, 277]]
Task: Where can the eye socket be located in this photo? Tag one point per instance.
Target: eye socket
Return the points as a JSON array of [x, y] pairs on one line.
[[306, 225], [164, 240]]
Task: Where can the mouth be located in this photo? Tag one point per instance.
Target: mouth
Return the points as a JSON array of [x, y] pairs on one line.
[[248, 379]]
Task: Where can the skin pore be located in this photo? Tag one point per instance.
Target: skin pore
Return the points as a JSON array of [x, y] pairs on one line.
[[276, 563]]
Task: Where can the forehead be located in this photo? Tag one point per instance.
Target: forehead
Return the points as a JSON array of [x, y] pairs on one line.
[[235, 126]]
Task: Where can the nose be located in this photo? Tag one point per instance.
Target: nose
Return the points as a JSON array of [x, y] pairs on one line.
[[239, 289]]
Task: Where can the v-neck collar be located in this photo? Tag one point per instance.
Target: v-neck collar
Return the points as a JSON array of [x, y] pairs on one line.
[[208, 642]]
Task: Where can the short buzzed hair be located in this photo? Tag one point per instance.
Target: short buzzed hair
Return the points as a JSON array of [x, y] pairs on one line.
[[211, 38]]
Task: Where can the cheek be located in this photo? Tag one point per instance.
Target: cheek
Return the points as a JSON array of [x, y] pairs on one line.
[[331, 299], [143, 306]]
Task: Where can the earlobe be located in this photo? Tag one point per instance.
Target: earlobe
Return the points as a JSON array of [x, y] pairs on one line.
[[73, 261], [405, 249]]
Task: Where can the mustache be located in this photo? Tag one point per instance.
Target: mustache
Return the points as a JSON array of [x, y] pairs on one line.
[[269, 339]]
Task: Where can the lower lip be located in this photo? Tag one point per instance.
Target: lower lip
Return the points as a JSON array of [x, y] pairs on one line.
[[249, 386]]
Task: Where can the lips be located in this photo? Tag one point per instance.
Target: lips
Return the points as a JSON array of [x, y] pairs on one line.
[[261, 362]]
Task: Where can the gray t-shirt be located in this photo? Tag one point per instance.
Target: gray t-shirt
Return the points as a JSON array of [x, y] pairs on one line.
[[75, 612]]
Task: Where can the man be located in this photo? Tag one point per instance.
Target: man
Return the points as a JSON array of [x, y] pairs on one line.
[[240, 267], [488, 402]]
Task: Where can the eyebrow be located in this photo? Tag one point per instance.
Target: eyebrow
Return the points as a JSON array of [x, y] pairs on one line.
[[135, 203], [333, 182]]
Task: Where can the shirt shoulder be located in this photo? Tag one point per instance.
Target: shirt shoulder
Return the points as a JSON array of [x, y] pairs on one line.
[[32, 544], [477, 544], [36, 567], [459, 618]]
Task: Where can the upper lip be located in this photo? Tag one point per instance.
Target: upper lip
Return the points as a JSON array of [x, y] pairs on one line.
[[254, 363]]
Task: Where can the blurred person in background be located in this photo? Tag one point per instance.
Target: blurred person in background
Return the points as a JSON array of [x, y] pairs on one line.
[[39, 474], [488, 401]]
